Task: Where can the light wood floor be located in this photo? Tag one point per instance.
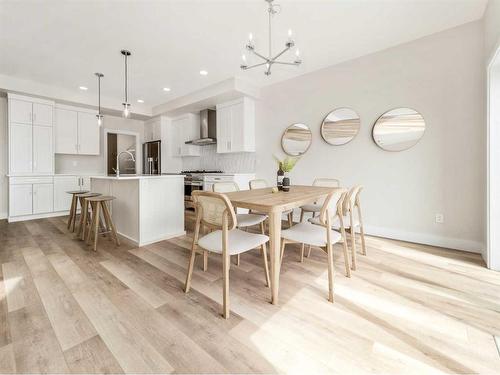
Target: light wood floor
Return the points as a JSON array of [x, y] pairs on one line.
[[407, 309]]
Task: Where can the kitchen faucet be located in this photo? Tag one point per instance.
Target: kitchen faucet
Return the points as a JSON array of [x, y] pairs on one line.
[[118, 161]]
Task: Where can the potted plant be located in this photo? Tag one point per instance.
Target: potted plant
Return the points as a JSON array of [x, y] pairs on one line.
[[285, 166]]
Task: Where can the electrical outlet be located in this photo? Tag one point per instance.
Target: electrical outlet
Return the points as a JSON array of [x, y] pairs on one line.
[[439, 218]]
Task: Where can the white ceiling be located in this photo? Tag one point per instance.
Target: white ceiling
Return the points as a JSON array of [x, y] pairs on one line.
[[62, 43]]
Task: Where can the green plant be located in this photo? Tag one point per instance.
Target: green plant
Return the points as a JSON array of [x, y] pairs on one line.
[[287, 163]]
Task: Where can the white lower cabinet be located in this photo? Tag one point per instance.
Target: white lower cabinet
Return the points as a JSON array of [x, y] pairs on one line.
[[63, 184], [21, 200], [43, 198], [30, 196]]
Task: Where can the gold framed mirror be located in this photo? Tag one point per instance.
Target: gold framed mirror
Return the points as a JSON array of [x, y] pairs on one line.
[[398, 129], [340, 126], [296, 139]]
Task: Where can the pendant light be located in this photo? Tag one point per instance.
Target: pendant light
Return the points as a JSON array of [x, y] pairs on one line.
[[126, 104], [99, 115]]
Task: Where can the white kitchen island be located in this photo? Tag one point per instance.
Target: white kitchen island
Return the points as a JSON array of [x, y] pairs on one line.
[[147, 208]]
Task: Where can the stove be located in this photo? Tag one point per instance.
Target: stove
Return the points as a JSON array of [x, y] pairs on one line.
[[201, 171], [193, 181]]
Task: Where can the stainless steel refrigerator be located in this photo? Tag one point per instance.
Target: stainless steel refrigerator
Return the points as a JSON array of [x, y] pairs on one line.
[[151, 157]]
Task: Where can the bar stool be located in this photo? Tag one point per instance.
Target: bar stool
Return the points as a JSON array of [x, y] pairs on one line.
[[74, 207], [84, 213], [100, 203]]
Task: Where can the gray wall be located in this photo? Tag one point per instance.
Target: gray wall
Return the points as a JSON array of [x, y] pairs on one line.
[[442, 76]]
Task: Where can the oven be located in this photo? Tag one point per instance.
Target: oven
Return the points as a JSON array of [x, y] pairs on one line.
[[191, 184]]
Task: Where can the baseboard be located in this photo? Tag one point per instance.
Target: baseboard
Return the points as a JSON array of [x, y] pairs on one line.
[[3, 215], [426, 239], [13, 219], [162, 238]]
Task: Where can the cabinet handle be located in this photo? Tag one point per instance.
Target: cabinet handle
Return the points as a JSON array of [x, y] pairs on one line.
[[34, 117], [31, 117]]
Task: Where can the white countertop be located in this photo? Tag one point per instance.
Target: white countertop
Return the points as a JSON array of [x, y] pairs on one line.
[[138, 177]]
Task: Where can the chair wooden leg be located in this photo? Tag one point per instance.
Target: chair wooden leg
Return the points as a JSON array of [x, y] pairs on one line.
[[309, 250], [266, 265], [205, 261], [346, 259], [290, 220], [262, 228], [91, 222], [352, 232], [72, 208], [109, 223], [302, 253], [363, 244], [282, 252], [331, 272], [96, 227], [301, 215], [225, 288], [187, 286], [238, 260], [73, 215]]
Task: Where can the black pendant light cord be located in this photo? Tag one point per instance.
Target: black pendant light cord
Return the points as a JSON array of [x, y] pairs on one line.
[[126, 79]]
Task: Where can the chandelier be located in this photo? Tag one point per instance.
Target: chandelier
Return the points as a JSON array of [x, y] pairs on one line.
[[270, 60]]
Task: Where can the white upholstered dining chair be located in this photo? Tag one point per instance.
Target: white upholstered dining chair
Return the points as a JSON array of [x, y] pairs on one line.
[[244, 220], [322, 235], [316, 206], [214, 210], [262, 184]]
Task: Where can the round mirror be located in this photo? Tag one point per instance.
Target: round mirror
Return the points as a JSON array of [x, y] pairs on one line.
[[398, 129], [296, 139], [340, 126]]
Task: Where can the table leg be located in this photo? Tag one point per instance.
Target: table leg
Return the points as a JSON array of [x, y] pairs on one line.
[[274, 252]]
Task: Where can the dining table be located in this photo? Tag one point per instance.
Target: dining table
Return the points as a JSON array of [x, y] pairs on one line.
[[273, 204]]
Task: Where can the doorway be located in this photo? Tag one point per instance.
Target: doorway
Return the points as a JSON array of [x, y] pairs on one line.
[[117, 141], [492, 254]]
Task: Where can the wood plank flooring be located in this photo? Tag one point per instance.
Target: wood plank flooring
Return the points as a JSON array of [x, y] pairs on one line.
[[408, 309]]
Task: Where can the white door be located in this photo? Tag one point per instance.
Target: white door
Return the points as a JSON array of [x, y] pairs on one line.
[[20, 200], [43, 154], [88, 134], [20, 111], [20, 149], [42, 114], [63, 184], [66, 131], [43, 198]]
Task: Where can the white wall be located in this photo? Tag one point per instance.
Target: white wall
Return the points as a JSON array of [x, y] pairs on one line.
[[237, 162], [4, 187], [95, 164], [491, 28], [442, 76]]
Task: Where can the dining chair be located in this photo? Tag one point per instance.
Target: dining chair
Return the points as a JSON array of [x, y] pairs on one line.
[[322, 235], [262, 184], [214, 210], [316, 206], [244, 220], [352, 219]]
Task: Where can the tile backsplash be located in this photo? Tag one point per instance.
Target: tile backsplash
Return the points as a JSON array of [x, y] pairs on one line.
[[238, 162]]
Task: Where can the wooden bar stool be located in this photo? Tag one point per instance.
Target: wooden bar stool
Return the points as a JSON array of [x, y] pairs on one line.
[[74, 207], [100, 204], [84, 215]]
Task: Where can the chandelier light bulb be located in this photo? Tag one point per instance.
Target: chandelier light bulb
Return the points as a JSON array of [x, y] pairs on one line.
[[126, 110], [289, 33], [99, 120], [250, 37], [297, 53], [244, 58]]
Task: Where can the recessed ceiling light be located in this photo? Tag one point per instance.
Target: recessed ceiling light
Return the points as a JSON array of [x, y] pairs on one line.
[[166, 89], [203, 72], [83, 88], [140, 101]]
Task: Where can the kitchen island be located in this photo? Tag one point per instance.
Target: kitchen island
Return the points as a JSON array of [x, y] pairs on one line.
[[147, 208]]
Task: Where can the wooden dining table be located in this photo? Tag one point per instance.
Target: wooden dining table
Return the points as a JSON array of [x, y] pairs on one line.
[[273, 204]]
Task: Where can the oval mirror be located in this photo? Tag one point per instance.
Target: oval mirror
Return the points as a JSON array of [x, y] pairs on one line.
[[398, 129], [296, 139], [340, 126]]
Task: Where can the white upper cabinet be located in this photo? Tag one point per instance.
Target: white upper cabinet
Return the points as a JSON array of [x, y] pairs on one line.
[[30, 136], [185, 128], [152, 130], [88, 134], [43, 152], [42, 114], [20, 149], [76, 131], [236, 126], [20, 111], [66, 131]]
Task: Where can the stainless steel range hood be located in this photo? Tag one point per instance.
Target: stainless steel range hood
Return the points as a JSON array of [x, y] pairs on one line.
[[208, 129]]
